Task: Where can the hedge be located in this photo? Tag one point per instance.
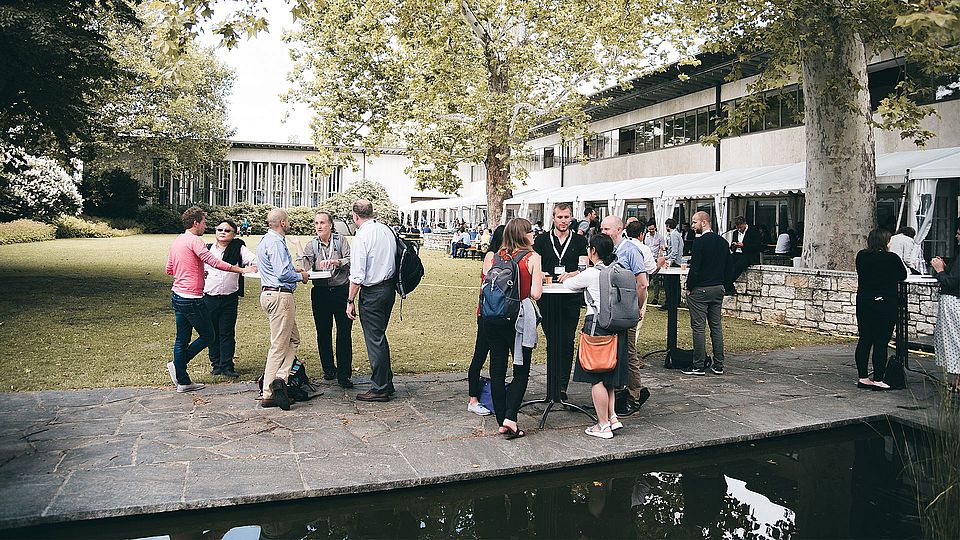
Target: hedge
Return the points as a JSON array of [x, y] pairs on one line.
[[25, 230], [74, 227]]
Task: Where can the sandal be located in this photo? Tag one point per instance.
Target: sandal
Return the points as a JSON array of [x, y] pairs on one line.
[[510, 434], [615, 423], [599, 431]]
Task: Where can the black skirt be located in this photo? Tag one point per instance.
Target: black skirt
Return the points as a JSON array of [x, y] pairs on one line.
[[618, 376]]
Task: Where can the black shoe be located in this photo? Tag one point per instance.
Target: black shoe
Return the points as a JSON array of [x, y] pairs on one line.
[[644, 396], [391, 391], [347, 383], [229, 372], [717, 370], [267, 403], [216, 371], [329, 376], [279, 389], [370, 395], [693, 371]]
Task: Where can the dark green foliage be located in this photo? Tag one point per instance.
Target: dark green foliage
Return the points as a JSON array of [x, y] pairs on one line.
[[159, 219], [256, 214], [113, 194], [55, 65]]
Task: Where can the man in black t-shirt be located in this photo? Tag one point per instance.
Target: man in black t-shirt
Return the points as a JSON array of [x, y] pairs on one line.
[[560, 253]]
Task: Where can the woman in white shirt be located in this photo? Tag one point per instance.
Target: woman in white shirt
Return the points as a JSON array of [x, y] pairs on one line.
[[601, 253], [221, 292]]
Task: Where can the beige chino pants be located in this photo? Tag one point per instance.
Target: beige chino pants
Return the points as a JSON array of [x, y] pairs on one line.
[[284, 336]]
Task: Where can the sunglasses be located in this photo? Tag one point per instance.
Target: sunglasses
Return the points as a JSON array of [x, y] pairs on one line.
[[224, 229]]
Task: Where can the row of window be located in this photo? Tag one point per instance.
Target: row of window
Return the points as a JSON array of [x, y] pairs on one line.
[[782, 108], [279, 184]]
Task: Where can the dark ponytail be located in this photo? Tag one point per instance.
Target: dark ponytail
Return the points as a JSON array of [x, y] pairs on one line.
[[603, 246]]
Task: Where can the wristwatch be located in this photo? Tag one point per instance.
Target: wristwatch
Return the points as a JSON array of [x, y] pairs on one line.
[[349, 301]]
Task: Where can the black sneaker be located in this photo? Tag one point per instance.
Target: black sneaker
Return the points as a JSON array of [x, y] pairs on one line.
[[279, 394], [717, 370], [346, 383], [693, 371], [216, 371]]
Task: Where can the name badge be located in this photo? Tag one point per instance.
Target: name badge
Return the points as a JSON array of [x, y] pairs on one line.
[[559, 270]]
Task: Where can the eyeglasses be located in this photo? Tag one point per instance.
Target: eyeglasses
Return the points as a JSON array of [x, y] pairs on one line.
[[225, 229]]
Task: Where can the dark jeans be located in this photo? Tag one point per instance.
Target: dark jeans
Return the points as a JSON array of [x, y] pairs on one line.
[[375, 305], [506, 403], [561, 343], [705, 305], [876, 317], [329, 305], [480, 350], [223, 318], [190, 313]]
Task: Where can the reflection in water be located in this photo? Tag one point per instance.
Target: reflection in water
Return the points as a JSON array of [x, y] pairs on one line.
[[841, 484]]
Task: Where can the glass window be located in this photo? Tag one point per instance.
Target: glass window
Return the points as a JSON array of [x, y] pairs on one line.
[[259, 183], [240, 176], [279, 184], [668, 132], [548, 157], [771, 116], [703, 123], [296, 184], [690, 127], [628, 140]]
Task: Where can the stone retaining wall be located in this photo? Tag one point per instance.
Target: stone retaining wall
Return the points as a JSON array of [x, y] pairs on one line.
[[818, 299]]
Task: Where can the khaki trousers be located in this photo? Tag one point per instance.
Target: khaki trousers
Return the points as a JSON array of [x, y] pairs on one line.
[[284, 336]]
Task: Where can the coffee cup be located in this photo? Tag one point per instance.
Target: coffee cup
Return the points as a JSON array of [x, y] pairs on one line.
[[683, 266], [548, 279]]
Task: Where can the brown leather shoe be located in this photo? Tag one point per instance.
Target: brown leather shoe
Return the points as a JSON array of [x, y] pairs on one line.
[[268, 403], [370, 395]]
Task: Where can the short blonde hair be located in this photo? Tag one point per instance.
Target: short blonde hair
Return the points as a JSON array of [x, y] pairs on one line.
[[515, 235]]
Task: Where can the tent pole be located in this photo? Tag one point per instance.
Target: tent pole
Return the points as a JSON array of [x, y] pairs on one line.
[[903, 199]]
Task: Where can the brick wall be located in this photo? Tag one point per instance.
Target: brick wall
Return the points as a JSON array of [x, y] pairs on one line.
[[818, 299]]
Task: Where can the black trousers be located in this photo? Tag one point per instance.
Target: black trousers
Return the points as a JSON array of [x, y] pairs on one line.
[[738, 263], [506, 403], [330, 304], [223, 316], [375, 305], [876, 318], [480, 350], [560, 337]]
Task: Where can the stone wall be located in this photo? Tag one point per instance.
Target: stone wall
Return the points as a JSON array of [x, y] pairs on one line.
[[822, 300]]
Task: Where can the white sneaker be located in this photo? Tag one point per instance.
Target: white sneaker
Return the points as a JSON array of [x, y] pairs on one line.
[[603, 433], [477, 408], [172, 370], [615, 423], [181, 388]]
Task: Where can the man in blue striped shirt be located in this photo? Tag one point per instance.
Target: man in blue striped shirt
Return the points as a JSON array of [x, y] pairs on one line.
[[278, 280]]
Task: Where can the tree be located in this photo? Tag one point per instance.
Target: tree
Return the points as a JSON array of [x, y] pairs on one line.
[[113, 193], [35, 188], [179, 117], [56, 62], [467, 81], [825, 43], [340, 205]]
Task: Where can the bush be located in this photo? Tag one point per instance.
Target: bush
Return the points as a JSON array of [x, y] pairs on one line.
[[74, 227], [113, 193], [25, 230], [35, 187], [301, 220], [255, 214], [159, 220], [340, 205]]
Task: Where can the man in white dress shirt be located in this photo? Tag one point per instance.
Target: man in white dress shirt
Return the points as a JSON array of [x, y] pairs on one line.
[[902, 244], [372, 273]]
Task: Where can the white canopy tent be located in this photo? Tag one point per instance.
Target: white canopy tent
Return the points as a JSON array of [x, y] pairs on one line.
[[447, 208]]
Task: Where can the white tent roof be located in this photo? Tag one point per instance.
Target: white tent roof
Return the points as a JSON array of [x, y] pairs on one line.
[[947, 166], [892, 168], [456, 202]]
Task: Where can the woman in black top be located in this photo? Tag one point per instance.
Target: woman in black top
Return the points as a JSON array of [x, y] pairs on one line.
[[947, 334], [878, 272]]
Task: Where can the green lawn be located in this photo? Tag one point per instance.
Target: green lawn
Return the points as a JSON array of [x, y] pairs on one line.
[[84, 313]]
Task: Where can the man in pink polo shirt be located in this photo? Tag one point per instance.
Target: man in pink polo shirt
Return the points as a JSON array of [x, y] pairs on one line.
[[185, 263]]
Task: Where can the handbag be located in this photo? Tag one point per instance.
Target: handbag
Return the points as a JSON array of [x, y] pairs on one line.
[[598, 354]]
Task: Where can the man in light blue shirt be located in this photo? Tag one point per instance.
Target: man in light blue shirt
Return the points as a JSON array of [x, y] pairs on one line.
[[630, 256], [278, 280], [674, 244]]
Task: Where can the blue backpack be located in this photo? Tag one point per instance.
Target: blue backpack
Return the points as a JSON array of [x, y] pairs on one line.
[[500, 293]]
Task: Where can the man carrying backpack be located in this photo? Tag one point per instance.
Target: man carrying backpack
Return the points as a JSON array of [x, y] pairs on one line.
[[372, 269], [630, 256]]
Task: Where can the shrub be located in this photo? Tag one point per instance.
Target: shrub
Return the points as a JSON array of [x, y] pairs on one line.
[[256, 214], [74, 227], [341, 204], [25, 230], [35, 187], [301, 220], [159, 220], [113, 193]]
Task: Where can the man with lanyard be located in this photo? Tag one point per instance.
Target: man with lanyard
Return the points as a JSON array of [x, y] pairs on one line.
[[329, 254], [630, 257], [560, 253]]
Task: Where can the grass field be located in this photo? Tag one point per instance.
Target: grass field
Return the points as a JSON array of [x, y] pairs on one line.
[[84, 313]]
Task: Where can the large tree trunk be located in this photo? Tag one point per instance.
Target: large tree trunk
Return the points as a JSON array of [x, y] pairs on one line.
[[498, 182], [499, 186], [841, 171]]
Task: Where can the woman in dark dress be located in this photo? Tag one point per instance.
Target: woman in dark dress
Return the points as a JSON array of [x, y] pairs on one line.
[[600, 252], [878, 272]]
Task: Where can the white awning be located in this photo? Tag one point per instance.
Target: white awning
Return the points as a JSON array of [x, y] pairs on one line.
[[438, 204], [892, 168], [945, 167]]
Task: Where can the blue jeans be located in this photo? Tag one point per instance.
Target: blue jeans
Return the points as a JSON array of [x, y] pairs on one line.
[[190, 313]]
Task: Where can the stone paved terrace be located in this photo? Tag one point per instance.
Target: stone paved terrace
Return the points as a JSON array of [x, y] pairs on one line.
[[70, 455]]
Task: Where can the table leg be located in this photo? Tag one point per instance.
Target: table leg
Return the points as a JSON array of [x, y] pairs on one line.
[[903, 319]]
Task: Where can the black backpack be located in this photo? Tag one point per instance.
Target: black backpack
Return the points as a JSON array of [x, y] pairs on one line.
[[409, 267], [500, 293]]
